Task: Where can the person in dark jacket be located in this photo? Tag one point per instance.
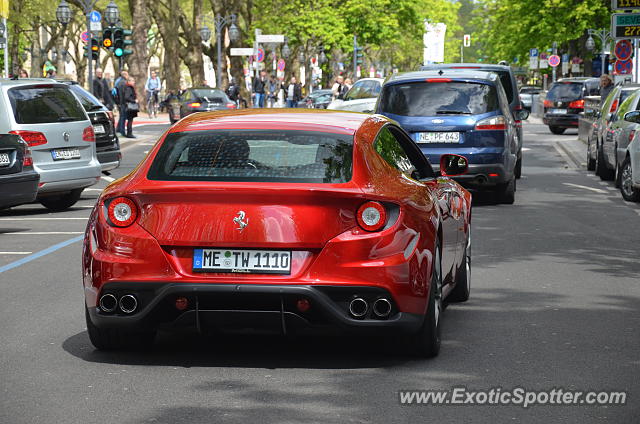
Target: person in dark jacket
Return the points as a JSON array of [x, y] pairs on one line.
[[102, 90], [131, 107], [258, 86], [292, 92], [119, 85]]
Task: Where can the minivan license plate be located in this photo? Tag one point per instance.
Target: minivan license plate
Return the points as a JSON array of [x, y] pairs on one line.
[[242, 261], [558, 111], [65, 154], [98, 129], [439, 137], [4, 159]]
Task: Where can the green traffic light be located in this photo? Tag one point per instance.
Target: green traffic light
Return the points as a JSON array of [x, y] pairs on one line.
[[118, 52]]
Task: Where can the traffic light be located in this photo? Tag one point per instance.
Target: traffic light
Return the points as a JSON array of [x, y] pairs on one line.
[[120, 43], [359, 55], [107, 38], [95, 48]]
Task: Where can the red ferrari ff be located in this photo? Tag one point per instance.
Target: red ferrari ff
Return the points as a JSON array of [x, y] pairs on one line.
[[279, 220]]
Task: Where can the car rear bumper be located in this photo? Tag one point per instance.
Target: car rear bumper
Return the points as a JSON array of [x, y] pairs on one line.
[[18, 189], [250, 307], [69, 178], [562, 121], [109, 160], [481, 176]]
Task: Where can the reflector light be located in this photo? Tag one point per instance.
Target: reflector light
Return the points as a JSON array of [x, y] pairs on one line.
[[372, 216], [89, 135], [494, 175], [122, 212], [303, 305], [182, 303], [32, 138], [495, 123]]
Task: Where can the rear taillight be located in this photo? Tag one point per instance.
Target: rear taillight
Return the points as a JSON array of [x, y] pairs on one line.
[[614, 106], [122, 212], [89, 135], [27, 160], [438, 79], [576, 104], [492, 124], [631, 134], [548, 103], [231, 106], [194, 104], [32, 138], [372, 216]]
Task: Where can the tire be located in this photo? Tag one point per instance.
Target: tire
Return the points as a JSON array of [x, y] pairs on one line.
[[115, 339], [61, 202], [591, 162], [629, 193], [426, 342], [556, 130], [507, 191], [605, 173], [462, 289], [518, 169]]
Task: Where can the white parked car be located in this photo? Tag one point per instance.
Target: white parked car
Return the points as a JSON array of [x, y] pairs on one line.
[[361, 97], [630, 170]]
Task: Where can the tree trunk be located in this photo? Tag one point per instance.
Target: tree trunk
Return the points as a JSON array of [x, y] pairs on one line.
[[139, 60], [168, 28]]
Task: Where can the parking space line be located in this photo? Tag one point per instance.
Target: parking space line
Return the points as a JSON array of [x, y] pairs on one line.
[[15, 253], [597, 190], [108, 179], [41, 233], [39, 254]]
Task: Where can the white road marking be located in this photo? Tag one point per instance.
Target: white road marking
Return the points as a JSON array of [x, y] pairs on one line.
[[146, 151], [15, 253], [525, 149], [93, 189], [596, 190], [41, 233], [108, 179]]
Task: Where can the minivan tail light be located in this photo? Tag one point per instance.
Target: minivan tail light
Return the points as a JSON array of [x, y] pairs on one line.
[[577, 104], [122, 212], [492, 124], [438, 79], [32, 138], [548, 103], [89, 135], [371, 216]]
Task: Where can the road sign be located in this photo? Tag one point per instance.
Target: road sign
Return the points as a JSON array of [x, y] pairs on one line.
[[625, 25], [467, 40], [95, 26], [270, 38], [533, 52], [554, 60], [241, 51], [260, 55], [281, 65], [623, 67], [95, 16], [625, 4], [623, 50], [84, 37]]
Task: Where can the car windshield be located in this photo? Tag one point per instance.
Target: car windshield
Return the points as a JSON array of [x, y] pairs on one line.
[[565, 91], [210, 95], [438, 98], [254, 155], [88, 101], [44, 104]]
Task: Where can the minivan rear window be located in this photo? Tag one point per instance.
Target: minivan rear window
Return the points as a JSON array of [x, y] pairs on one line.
[[565, 91], [254, 155], [44, 104], [438, 98]]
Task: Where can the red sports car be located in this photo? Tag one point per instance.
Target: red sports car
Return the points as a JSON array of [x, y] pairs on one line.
[[279, 220]]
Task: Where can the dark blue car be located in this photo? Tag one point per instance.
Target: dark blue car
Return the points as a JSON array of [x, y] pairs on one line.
[[464, 112]]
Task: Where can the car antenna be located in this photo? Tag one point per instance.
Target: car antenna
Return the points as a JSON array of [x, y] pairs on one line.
[[440, 72]]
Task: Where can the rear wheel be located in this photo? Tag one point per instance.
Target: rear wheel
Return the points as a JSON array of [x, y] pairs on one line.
[[426, 342], [591, 162], [462, 289], [556, 130], [61, 202], [518, 169], [629, 193], [111, 338], [507, 191], [605, 173]]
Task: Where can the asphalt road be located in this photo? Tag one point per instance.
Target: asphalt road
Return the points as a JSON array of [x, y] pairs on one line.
[[555, 303]]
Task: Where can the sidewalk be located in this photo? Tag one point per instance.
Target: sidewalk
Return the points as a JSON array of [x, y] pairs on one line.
[[143, 119]]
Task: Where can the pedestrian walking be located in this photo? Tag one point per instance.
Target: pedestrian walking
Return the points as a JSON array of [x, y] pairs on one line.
[[337, 89], [606, 85], [233, 91], [118, 94], [258, 87], [272, 89], [293, 92], [131, 106], [102, 90]]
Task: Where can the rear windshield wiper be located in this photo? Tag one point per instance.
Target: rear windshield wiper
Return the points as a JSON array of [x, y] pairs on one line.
[[95, 107], [66, 118], [452, 112]]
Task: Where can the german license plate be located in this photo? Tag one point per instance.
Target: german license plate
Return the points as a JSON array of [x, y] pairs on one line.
[[4, 159], [439, 137], [65, 154], [98, 129], [558, 111], [242, 261]]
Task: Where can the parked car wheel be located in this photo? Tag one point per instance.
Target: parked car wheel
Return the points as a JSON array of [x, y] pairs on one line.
[[426, 342], [591, 162], [111, 338], [629, 193], [462, 289], [605, 173], [518, 169], [556, 130], [507, 191], [61, 202]]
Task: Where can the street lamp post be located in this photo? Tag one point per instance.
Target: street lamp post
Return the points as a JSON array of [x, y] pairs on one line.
[[603, 35], [234, 35]]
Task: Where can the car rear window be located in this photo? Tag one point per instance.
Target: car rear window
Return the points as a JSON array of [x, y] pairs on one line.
[[210, 95], [505, 79], [438, 98], [88, 101], [565, 91], [44, 104], [254, 155]]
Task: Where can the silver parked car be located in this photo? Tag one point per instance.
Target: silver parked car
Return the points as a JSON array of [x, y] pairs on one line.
[[361, 97], [54, 124]]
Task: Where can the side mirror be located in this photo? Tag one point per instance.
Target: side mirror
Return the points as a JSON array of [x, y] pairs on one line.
[[633, 116], [522, 115], [452, 165]]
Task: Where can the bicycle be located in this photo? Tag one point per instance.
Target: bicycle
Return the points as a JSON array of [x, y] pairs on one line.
[[152, 103]]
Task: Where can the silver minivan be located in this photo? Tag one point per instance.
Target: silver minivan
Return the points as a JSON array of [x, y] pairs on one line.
[[55, 125]]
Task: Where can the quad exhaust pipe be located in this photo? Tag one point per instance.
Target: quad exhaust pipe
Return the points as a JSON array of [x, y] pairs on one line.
[[127, 303]]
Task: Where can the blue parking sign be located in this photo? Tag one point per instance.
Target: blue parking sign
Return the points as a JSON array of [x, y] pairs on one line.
[[533, 53]]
